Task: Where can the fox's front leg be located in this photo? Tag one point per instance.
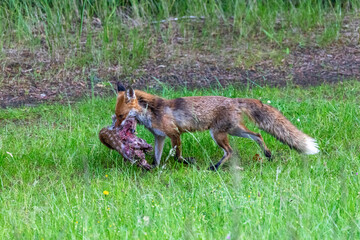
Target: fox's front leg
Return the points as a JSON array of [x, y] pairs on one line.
[[159, 145], [176, 143]]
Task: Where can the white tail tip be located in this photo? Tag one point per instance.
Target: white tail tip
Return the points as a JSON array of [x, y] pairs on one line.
[[311, 146]]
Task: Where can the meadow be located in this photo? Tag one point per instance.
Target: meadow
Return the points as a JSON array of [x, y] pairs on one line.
[[54, 171], [104, 33], [57, 181]]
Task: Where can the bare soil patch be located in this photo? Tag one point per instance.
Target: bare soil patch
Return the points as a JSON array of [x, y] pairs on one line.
[[32, 77]]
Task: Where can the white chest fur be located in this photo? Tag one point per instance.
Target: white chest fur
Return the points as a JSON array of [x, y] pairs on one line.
[[144, 118]]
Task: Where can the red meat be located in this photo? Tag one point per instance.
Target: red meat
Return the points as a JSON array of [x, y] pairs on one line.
[[125, 142]]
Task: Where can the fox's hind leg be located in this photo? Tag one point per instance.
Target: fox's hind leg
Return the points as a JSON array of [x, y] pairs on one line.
[[222, 141], [242, 131]]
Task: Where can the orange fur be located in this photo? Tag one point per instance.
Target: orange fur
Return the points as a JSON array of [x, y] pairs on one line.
[[221, 115]]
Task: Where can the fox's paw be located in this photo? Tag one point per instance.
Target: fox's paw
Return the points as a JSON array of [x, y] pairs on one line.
[[268, 155], [213, 168]]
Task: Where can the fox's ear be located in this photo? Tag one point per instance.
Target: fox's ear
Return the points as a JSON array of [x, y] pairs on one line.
[[120, 87], [130, 94]]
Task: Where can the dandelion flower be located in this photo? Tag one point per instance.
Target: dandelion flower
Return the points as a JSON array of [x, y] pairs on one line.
[[268, 101], [106, 193], [106, 175]]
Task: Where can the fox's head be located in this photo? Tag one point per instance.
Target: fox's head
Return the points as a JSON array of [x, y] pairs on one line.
[[126, 103]]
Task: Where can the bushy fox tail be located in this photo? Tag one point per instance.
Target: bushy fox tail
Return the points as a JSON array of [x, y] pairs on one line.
[[272, 121]]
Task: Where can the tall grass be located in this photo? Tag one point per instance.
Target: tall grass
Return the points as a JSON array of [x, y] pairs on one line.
[[128, 28]]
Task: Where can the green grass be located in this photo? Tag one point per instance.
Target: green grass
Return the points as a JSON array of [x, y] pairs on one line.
[[54, 171], [128, 32]]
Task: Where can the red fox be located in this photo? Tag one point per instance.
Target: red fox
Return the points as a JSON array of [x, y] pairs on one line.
[[221, 115]]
